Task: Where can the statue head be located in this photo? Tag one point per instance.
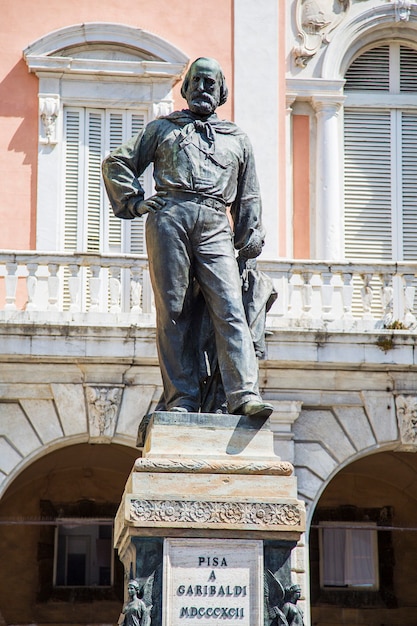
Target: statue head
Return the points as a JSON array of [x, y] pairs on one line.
[[293, 593], [133, 587], [204, 86]]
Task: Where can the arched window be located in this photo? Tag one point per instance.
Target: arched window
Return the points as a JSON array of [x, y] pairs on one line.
[[380, 151], [99, 84]]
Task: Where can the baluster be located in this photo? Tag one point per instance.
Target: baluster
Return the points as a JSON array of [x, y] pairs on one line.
[[147, 293], [280, 307], [31, 284], [327, 296], [387, 299], [367, 296], [135, 289], [74, 287], [53, 287], [115, 290], [11, 286], [295, 297], [307, 294], [409, 293], [347, 295], [95, 284]]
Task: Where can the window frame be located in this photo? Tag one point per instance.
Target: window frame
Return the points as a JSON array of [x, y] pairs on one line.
[[397, 104], [343, 514], [141, 79], [375, 561], [81, 524]]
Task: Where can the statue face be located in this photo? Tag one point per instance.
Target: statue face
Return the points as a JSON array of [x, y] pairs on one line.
[[131, 589], [296, 594], [203, 92]]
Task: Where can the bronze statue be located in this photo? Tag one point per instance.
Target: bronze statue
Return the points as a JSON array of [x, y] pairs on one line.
[[134, 611], [281, 604], [292, 612], [205, 178]]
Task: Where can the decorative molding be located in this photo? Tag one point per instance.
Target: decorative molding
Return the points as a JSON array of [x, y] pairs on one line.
[[407, 419], [141, 53], [161, 109], [103, 404], [234, 513], [48, 111], [197, 466], [315, 20], [402, 10]]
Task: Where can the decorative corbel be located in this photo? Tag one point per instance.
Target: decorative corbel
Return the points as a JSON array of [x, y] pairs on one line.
[[402, 10], [48, 111], [407, 421], [160, 109], [315, 20], [103, 403]]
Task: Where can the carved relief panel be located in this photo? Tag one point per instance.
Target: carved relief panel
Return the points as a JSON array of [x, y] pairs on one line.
[[315, 20]]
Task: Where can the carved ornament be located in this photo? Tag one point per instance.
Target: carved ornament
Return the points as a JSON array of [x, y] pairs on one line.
[[243, 513], [402, 10], [315, 20], [48, 111], [103, 406], [198, 466], [407, 418]]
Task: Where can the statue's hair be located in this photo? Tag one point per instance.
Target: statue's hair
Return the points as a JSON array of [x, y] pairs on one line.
[[223, 87], [134, 584]]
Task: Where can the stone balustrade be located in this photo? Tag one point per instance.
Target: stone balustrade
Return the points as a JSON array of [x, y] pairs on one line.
[[91, 288]]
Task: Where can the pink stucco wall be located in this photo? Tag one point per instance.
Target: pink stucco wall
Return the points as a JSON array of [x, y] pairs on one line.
[[196, 27]]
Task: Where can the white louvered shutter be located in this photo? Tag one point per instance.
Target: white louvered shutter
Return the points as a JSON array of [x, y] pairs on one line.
[[89, 223], [116, 125], [73, 130], [368, 185], [370, 71], [381, 157], [94, 188], [409, 186], [137, 226]]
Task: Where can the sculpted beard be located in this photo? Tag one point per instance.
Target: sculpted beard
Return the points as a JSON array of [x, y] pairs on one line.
[[203, 103]]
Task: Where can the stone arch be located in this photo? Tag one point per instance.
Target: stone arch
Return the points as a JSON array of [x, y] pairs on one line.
[[51, 416], [151, 53], [326, 439], [361, 31], [80, 481]]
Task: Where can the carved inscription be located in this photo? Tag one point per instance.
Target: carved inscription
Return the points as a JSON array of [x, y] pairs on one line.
[[214, 581]]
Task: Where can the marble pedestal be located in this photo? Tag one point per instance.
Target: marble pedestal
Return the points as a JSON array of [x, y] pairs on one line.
[[206, 510]]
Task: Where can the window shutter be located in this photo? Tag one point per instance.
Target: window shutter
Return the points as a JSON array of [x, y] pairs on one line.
[[137, 226], [408, 69], [90, 223], [73, 177], [370, 71], [116, 137], [409, 186], [95, 129], [368, 185]]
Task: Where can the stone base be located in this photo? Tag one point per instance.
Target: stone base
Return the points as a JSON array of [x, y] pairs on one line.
[[207, 508]]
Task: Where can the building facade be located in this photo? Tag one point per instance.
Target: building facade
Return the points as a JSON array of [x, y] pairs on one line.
[[326, 91]]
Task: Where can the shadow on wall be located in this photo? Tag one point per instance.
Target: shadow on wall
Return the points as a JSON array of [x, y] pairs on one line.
[[19, 100]]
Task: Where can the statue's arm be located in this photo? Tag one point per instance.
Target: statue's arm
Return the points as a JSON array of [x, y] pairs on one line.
[[122, 169], [246, 209]]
